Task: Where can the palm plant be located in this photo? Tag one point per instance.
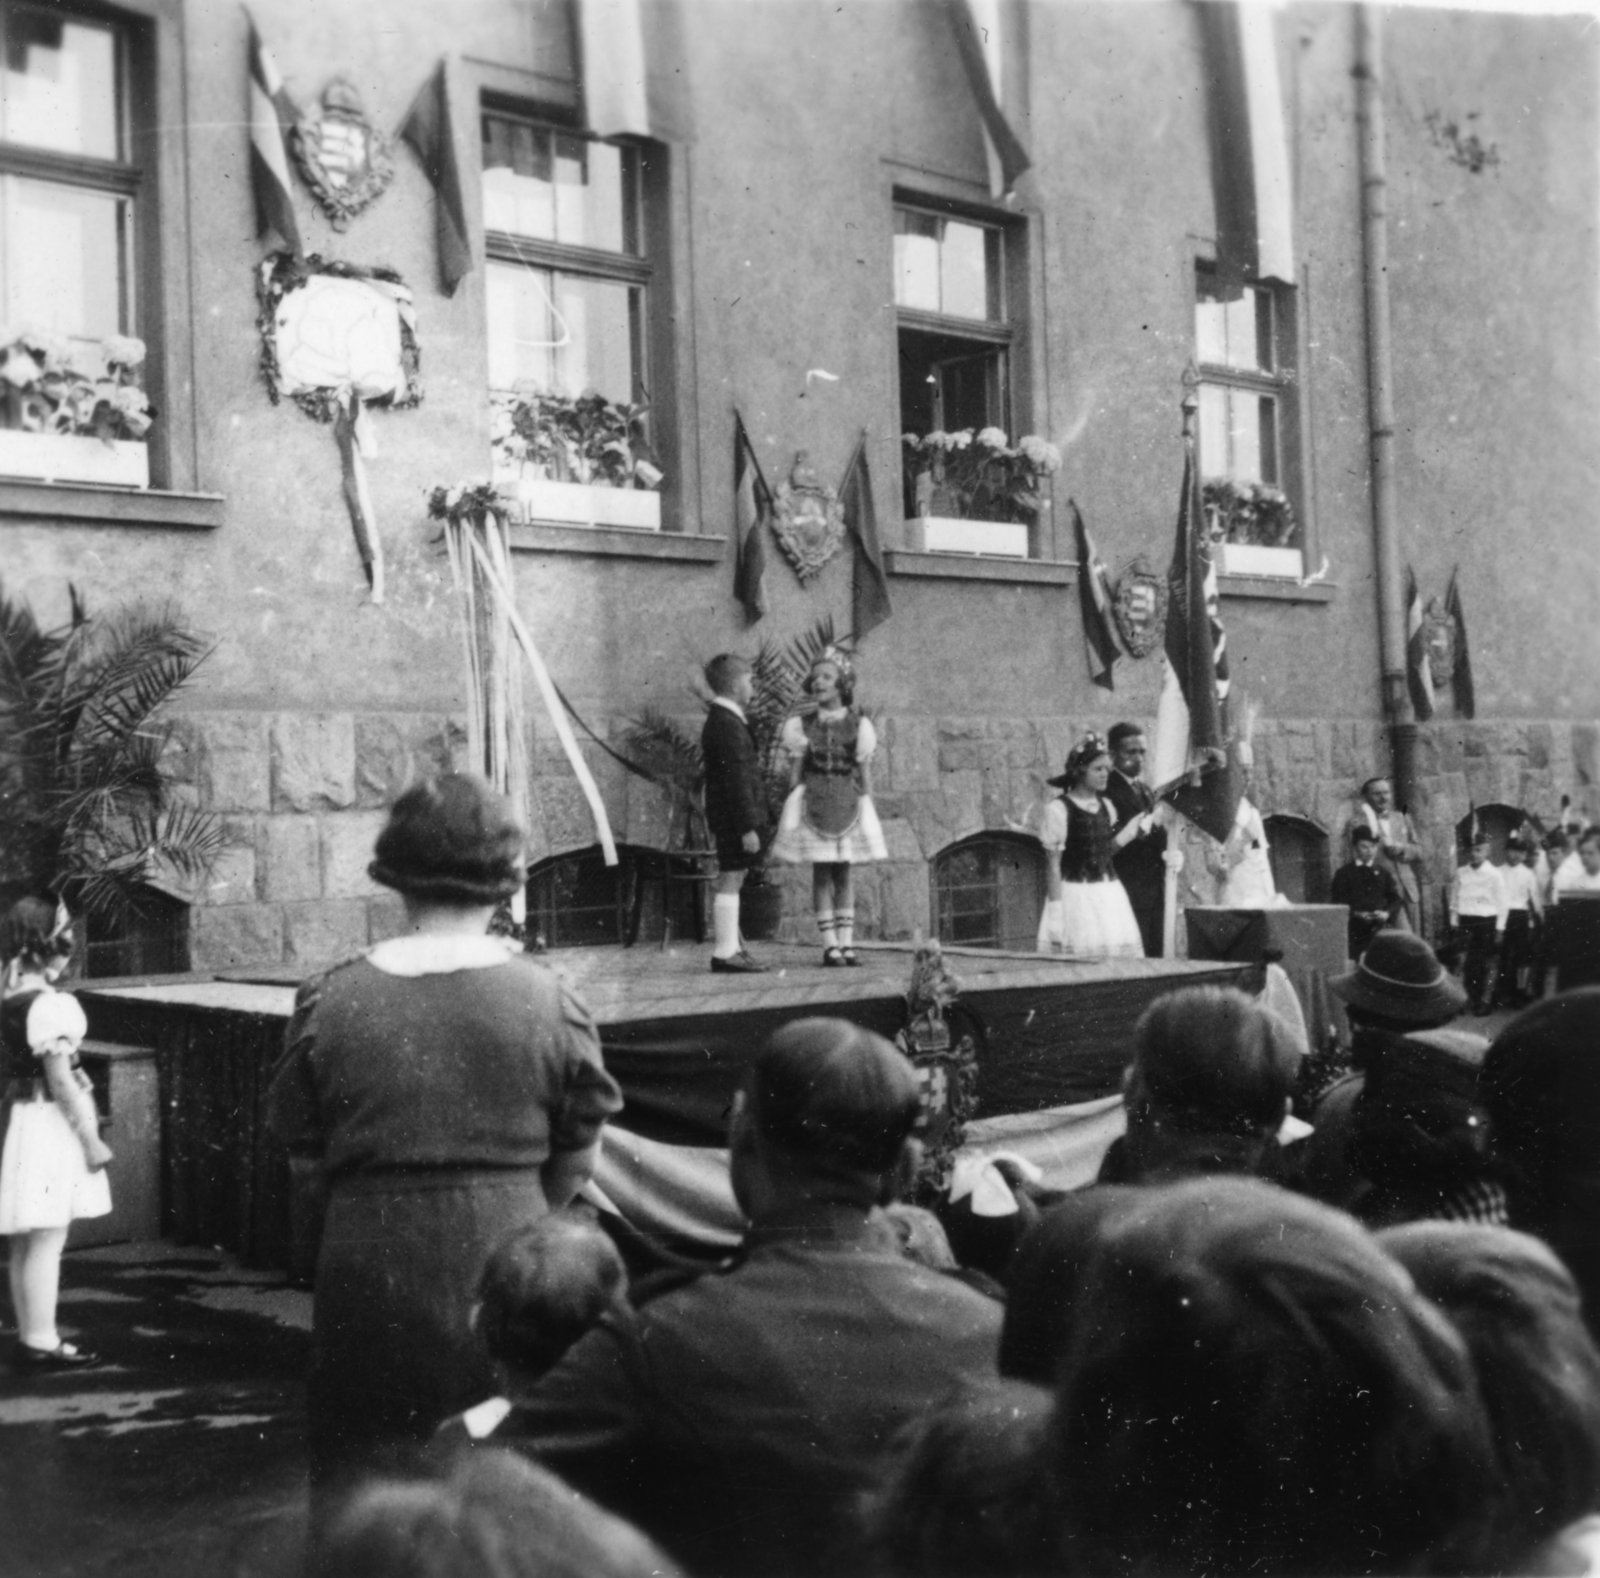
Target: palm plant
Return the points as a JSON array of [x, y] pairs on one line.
[[86, 809]]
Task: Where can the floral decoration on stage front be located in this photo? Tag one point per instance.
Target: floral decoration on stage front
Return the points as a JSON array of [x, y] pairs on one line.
[[330, 330], [77, 388], [587, 439], [978, 476], [1249, 512]]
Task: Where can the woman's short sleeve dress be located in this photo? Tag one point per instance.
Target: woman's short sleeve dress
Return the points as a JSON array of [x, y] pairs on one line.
[[828, 819], [1095, 919]]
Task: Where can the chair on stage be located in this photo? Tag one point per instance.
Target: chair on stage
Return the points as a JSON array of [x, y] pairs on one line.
[[688, 861]]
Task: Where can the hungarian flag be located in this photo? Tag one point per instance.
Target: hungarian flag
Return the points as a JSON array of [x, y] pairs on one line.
[[870, 590], [752, 507], [1094, 600], [272, 113], [1249, 144], [976, 24], [430, 131], [1419, 672], [1191, 716], [1461, 677]]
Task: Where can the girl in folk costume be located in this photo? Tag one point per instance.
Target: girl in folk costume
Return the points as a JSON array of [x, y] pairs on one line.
[[1086, 910], [52, 1167], [829, 819]]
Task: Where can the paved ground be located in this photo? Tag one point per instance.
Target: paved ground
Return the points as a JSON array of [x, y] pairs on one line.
[[180, 1456]]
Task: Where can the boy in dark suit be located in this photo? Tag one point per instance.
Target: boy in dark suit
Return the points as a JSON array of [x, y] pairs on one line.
[[736, 809], [1372, 892]]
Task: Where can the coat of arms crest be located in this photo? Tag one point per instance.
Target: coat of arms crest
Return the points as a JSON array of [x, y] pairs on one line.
[[808, 520], [1140, 608], [343, 157]]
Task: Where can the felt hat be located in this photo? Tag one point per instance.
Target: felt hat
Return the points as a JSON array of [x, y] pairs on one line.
[[454, 840], [1079, 757], [1400, 977], [1363, 832]]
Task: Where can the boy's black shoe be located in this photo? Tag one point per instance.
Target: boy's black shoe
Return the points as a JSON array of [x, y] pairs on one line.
[[740, 964]]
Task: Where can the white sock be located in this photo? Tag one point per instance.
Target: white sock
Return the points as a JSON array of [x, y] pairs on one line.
[[724, 925], [825, 926], [844, 922]]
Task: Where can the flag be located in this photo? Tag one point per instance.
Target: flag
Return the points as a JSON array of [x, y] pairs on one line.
[[1191, 714], [870, 592], [752, 506], [1419, 673], [1461, 678], [1094, 599], [976, 24], [429, 129], [272, 113], [612, 64], [1249, 145]]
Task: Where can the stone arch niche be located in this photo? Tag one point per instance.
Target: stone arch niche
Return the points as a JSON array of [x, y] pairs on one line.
[[1499, 821], [1302, 858], [987, 891], [575, 900]]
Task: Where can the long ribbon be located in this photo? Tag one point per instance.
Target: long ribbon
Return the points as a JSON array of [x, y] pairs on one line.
[[352, 428], [552, 702]]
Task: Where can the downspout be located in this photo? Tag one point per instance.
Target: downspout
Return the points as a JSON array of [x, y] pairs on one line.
[[1380, 401]]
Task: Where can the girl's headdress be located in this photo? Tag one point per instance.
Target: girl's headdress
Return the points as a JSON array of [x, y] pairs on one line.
[[1088, 749]]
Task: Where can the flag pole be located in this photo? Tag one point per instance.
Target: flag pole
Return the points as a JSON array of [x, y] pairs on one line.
[[1169, 885]]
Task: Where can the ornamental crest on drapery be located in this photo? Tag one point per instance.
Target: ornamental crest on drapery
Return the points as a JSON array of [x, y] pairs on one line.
[[343, 157], [1140, 608], [807, 520]]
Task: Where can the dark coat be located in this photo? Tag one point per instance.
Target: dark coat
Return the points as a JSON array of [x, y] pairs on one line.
[[1367, 888], [736, 801], [1139, 865]]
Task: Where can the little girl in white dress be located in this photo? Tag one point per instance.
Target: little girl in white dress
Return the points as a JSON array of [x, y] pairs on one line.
[[829, 820]]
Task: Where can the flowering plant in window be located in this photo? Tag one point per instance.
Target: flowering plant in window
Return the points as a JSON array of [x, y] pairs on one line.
[[978, 476], [49, 384], [588, 439], [1249, 512]]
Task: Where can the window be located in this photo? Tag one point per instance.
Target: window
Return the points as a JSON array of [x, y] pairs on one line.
[[1248, 425], [567, 278], [954, 329], [1299, 854], [988, 892], [577, 901], [151, 938]]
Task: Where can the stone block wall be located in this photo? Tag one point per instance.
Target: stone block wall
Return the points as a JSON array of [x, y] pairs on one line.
[[302, 797]]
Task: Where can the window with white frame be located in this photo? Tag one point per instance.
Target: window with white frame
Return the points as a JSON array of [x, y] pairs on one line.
[[1244, 349]]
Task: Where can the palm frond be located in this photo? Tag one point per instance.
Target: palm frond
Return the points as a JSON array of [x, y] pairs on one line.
[[664, 749]]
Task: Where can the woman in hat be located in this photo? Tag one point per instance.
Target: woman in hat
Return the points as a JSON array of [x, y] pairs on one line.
[[829, 820], [1086, 908], [447, 1090]]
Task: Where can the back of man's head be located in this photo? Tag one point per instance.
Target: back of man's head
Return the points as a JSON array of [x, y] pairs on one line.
[[545, 1286], [827, 1100], [1209, 1059]]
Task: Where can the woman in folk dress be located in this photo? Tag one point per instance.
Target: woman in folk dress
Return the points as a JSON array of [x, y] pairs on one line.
[[829, 819], [1086, 908]]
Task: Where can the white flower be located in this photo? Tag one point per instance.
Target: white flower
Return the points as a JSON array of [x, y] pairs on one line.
[[959, 440], [21, 371], [992, 437], [1040, 454], [500, 428], [123, 350]]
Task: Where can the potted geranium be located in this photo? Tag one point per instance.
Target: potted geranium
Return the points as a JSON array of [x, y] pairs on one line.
[[72, 410], [974, 491], [1252, 528], [579, 461]]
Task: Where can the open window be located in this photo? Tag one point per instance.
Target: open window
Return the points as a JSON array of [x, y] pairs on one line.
[[988, 891]]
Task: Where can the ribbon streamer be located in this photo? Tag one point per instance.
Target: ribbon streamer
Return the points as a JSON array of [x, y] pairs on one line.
[[352, 428]]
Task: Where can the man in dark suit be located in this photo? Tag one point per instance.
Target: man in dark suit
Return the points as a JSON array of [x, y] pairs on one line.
[[736, 804], [1140, 863], [739, 1419], [1370, 890]]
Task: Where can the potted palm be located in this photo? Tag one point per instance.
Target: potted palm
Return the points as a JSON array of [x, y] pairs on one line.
[[87, 809]]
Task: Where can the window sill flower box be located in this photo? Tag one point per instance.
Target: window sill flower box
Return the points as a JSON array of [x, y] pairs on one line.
[[946, 534], [1248, 558], [69, 457], [588, 504]]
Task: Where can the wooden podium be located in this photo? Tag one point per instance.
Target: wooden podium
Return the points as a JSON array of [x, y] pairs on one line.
[[1312, 939], [1577, 940]]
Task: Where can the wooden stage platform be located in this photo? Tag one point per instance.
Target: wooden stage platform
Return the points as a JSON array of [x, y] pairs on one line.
[[1050, 1031]]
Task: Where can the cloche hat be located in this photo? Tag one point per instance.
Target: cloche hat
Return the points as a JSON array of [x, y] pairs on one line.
[[453, 839], [1400, 977]]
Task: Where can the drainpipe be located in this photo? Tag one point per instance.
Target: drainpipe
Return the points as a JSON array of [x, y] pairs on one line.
[[1380, 400]]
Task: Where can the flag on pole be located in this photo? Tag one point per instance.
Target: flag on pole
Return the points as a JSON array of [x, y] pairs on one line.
[[272, 113], [976, 24], [752, 507], [430, 131], [870, 590], [1094, 601], [1191, 716], [612, 63], [1419, 672], [1461, 677], [1249, 144]]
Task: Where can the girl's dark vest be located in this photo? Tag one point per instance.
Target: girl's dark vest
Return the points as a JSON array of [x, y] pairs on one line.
[[831, 774]]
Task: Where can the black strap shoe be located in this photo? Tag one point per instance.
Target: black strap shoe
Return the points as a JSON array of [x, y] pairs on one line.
[[739, 964], [64, 1356]]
